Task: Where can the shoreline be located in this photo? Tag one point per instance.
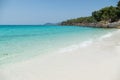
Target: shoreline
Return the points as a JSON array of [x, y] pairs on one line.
[[115, 25], [97, 61], [96, 24]]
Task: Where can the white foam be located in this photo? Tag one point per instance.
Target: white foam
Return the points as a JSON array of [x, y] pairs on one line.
[[109, 34], [106, 36], [75, 46], [86, 43]]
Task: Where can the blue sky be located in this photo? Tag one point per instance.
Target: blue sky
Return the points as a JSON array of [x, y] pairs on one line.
[[44, 11]]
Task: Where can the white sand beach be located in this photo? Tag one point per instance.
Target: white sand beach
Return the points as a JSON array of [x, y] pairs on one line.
[[98, 61]]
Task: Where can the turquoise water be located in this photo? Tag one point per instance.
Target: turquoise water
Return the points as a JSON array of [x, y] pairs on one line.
[[23, 42]]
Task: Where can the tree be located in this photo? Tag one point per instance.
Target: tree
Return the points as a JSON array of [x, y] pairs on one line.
[[118, 4], [109, 13], [105, 14], [118, 10], [97, 15]]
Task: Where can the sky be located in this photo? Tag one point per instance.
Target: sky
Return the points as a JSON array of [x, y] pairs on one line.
[[37, 12]]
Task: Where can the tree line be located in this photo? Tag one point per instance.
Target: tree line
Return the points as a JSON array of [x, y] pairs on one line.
[[106, 15]]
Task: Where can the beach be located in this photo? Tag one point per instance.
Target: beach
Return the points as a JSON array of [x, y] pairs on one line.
[[100, 60], [59, 40]]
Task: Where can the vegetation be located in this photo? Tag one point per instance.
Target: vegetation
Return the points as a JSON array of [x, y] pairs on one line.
[[106, 15], [79, 20]]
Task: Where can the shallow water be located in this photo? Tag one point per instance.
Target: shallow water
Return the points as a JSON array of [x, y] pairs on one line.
[[23, 42]]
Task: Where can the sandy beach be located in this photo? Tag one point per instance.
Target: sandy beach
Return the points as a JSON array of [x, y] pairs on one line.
[[99, 60]]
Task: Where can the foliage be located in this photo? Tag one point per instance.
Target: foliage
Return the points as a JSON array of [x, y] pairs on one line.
[[107, 14], [118, 10], [89, 19], [118, 4]]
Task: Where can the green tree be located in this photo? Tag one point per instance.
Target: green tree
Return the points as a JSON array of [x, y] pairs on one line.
[[97, 15], [109, 14], [118, 10], [118, 4], [105, 14]]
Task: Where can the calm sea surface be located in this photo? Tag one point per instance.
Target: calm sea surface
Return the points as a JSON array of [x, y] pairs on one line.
[[23, 42]]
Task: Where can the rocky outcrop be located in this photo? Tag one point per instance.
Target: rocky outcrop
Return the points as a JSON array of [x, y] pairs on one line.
[[114, 25], [99, 24]]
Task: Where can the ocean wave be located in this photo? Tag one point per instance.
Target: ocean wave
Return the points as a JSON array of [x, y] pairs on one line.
[[108, 35], [75, 46], [86, 43]]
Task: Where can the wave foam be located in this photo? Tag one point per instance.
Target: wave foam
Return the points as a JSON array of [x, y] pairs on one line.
[[85, 43], [75, 47], [108, 35]]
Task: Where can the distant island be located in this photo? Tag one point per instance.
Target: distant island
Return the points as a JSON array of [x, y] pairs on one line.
[[107, 17], [50, 24]]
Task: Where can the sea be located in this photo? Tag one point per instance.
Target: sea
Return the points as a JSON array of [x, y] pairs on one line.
[[22, 42]]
